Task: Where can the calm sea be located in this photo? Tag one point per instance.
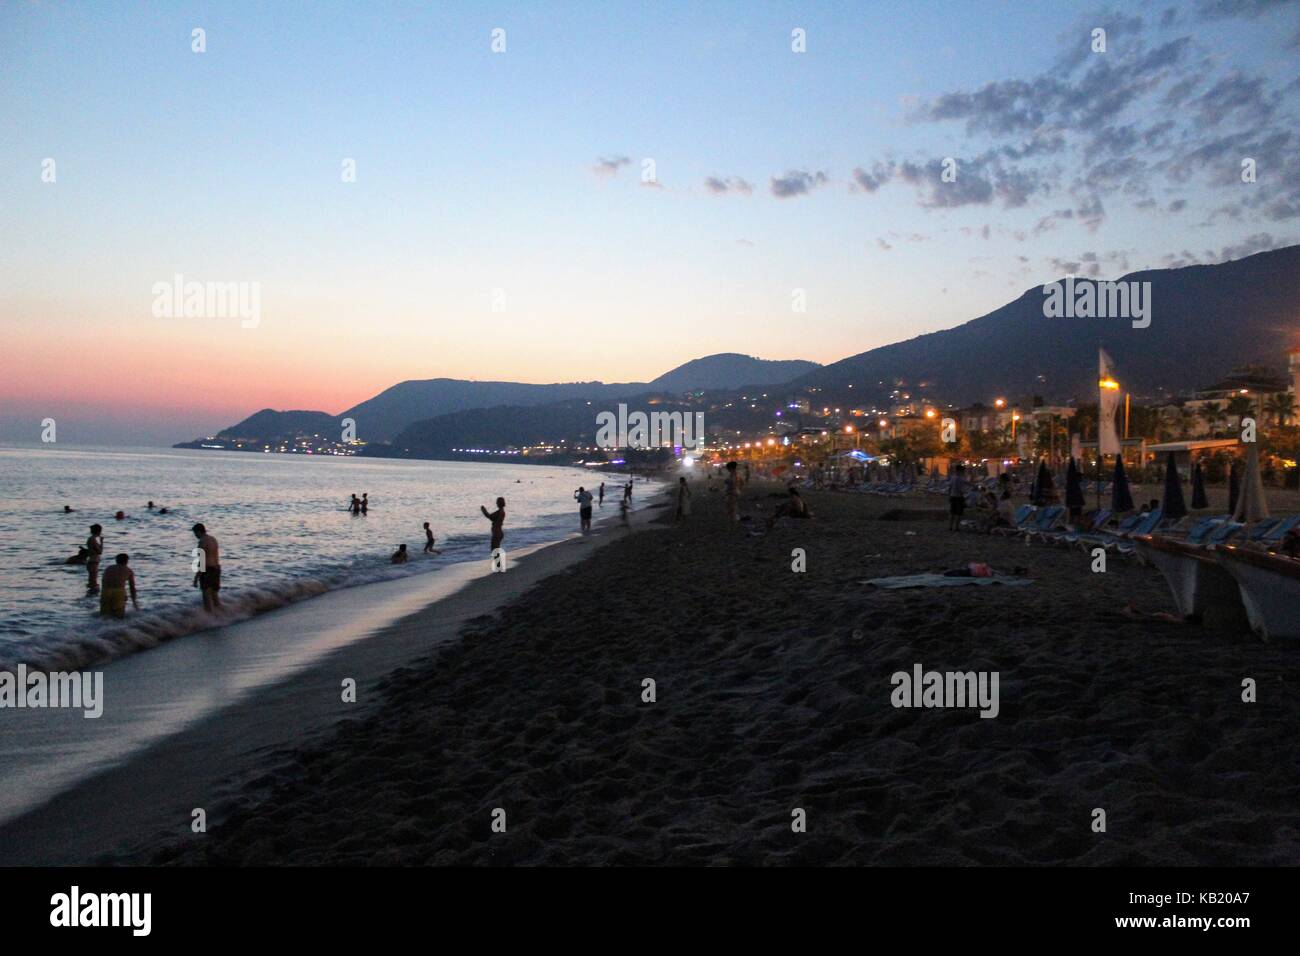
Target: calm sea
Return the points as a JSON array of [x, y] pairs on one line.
[[281, 520]]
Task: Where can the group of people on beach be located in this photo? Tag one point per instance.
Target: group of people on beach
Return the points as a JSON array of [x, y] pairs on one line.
[[585, 498], [118, 579]]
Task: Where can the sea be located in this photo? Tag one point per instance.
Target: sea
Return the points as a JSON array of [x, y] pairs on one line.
[[302, 578], [283, 524]]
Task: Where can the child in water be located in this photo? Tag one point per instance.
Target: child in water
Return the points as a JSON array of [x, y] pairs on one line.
[[400, 555]]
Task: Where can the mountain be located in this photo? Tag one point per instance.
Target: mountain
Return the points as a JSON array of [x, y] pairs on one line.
[[268, 424], [381, 418], [1205, 320], [729, 370]]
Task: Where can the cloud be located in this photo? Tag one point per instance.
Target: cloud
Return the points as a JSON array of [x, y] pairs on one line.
[[1259, 242], [797, 182], [1248, 9], [609, 166], [732, 184]]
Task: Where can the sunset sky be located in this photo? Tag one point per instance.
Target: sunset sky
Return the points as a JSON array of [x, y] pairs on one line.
[[521, 171]]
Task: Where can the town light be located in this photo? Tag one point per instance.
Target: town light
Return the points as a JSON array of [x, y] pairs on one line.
[[1109, 383], [999, 402]]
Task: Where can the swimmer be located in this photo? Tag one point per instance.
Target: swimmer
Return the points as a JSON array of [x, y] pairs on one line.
[[400, 555], [94, 551], [117, 579]]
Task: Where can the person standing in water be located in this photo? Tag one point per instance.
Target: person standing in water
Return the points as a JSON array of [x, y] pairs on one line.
[[355, 506], [209, 579], [429, 540], [498, 519], [365, 502], [117, 578], [584, 508], [602, 494], [683, 498], [94, 551]]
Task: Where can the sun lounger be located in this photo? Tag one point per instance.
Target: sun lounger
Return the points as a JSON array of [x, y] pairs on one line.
[[1269, 586]]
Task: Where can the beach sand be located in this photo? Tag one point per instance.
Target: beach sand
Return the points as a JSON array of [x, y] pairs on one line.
[[773, 693]]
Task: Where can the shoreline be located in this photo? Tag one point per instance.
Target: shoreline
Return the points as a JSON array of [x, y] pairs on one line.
[[206, 760], [774, 694]]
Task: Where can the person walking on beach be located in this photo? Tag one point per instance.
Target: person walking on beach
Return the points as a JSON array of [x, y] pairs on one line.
[[956, 496], [683, 498], [209, 579], [117, 579], [602, 494], [584, 508], [498, 519], [733, 492], [94, 551], [429, 540], [627, 490]]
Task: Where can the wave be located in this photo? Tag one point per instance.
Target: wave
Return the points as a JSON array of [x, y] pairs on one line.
[[70, 650]]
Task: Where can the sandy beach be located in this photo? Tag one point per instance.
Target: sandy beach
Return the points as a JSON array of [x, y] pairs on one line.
[[773, 693]]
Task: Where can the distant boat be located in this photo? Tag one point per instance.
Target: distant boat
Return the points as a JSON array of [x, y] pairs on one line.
[[1270, 589]]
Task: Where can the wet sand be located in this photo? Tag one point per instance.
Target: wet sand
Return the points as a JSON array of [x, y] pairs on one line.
[[773, 693]]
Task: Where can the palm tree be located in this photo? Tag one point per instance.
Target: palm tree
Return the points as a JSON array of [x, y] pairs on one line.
[[1240, 407], [1210, 412], [1282, 406]]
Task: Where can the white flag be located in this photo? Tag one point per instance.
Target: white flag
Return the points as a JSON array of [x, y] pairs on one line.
[[1107, 405]]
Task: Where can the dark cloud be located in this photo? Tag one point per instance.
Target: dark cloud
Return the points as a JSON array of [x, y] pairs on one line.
[[732, 184], [797, 182], [1249, 9], [1259, 242]]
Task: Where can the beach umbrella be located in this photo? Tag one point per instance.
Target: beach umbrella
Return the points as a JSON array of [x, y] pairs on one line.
[[1199, 500], [1174, 505], [1121, 499], [1251, 506], [1234, 487], [1044, 487], [1074, 499]]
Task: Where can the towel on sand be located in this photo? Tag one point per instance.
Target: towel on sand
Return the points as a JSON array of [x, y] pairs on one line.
[[939, 581]]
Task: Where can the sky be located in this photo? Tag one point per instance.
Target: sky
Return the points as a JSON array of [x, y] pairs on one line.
[[614, 190]]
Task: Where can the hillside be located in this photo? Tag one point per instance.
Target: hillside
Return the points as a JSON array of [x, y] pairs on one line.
[[1204, 321]]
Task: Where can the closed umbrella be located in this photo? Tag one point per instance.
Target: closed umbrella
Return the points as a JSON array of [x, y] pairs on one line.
[[1174, 505], [1199, 500], [1251, 506], [1044, 486], [1121, 499], [1074, 499]]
